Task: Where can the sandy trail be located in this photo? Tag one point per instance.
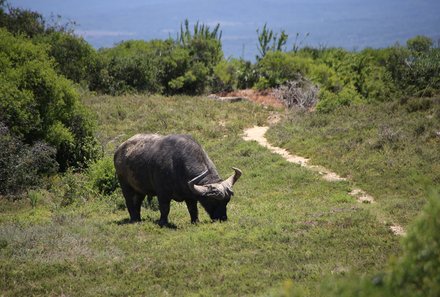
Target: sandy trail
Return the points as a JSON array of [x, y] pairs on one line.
[[257, 134]]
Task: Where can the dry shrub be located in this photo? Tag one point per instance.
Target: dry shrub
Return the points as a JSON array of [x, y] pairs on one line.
[[300, 93]]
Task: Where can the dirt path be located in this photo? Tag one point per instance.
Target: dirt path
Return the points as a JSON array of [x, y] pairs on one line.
[[257, 134]]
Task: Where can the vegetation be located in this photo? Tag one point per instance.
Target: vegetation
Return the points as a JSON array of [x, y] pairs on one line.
[[414, 273], [377, 121], [37, 104], [279, 218], [389, 149]]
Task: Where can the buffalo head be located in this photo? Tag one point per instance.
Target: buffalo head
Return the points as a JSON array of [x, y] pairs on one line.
[[215, 196]]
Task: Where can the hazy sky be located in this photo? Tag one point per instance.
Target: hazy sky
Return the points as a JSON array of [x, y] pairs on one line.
[[346, 23]]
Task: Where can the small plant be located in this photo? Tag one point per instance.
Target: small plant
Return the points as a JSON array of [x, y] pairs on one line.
[[102, 176], [34, 197], [300, 93], [22, 166], [268, 41]]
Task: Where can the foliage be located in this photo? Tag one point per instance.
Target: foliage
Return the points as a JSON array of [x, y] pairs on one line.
[[225, 76], [275, 68], [74, 57], [415, 70], [414, 273], [279, 218], [205, 52], [346, 77], [419, 44], [329, 101], [185, 65], [39, 105], [22, 165], [233, 74], [266, 37], [102, 176], [390, 149], [21, 21], [417, 271], [301, 93], [130, 66]]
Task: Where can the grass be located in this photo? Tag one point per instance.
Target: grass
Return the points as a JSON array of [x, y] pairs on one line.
[[285, 223], [391, 149]]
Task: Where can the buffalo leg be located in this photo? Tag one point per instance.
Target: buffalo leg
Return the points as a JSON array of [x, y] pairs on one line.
[[133, 200], [193, 211], [164, 207]]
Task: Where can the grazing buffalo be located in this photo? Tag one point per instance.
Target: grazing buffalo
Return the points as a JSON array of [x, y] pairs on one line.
[[171, 167]]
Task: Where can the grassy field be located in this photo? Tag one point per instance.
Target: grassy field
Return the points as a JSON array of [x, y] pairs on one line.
[[285, 223], [391, 149]]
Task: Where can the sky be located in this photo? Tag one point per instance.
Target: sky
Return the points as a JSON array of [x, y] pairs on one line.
[[352, 24]]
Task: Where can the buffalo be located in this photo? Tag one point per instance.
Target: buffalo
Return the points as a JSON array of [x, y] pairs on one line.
[[172, 167]]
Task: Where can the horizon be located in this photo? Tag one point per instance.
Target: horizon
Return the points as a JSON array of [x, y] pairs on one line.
[[350, 24]]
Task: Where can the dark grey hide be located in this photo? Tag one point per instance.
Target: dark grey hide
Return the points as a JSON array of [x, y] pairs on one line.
[[171, 167]]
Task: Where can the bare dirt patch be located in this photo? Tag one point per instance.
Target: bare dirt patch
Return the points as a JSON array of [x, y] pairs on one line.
[[266, 97]]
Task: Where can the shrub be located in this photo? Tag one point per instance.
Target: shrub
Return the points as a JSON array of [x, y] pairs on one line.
[[21, 21], [268, 41], [225, 77], [21, 165], [326, 78], [37, 104], [329, 100], [419, 44], [417, 271], [74, 57], [414, 70], [205, 52], [247, 74], [102, 176], [131, 66], [275, 68], [301, 93]]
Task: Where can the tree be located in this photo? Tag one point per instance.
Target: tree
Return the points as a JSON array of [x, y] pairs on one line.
[[37, 104], [419, 44], [268, 41]]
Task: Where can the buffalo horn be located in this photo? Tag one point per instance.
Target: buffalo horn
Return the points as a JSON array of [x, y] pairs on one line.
[[196, 189], [230, 181]]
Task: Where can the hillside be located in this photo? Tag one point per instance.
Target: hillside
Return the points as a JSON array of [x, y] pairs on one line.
[[285, 222], [339, 151]]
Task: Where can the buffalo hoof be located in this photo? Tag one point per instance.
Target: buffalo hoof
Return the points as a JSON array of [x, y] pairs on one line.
[[165, 224], [135, 220]]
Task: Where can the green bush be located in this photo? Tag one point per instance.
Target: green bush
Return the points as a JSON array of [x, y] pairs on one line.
[[419, 44], [131, 66], [277, 67], [74, 57], [22, 165], [37, 104], [204, 52], [415, 70], [417, 271], [21, 21], [225, 77], [102, 176], [329, 100], [185, 65]]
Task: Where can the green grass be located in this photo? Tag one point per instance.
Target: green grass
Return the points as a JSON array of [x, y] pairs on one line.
[[284, 223], [391, 150]]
